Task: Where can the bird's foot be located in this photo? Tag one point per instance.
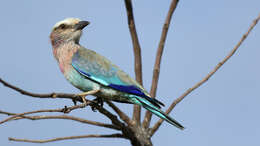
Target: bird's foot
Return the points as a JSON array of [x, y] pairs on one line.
[[99, 102], [84, 94], [74, 102]]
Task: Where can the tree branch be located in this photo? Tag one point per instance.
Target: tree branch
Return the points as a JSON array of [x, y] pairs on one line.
[[157, 64], [121, 114], [112, 117], [220, 64], [63, 110], [137, 54], [66, 117], [116, 135], [73, 97]]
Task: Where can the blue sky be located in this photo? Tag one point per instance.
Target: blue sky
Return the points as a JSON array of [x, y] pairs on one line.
[[224, 111]]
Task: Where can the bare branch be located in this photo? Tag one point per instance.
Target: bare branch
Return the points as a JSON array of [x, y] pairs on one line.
[[179, 99], [105, 112], [116, 135], [157, 64], [63, 110], [74, 97], [66, 117], [76, 119], [121, 114], [112, 117], [135, 41], [137, 54]]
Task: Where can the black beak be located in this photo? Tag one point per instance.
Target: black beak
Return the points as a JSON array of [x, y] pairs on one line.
[[81, 25]]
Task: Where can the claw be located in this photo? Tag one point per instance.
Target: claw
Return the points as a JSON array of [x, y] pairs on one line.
[[82, 96], [74, 101], [99, 102], [93, 109]]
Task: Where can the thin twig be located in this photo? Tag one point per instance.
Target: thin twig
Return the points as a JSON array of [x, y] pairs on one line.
[[15, 118], [121, 114], [116, 135], [105, 112], [179, 99], [157, 64], [66, 117], [74, 97], [64, 110], [102, 110], [137, 54]]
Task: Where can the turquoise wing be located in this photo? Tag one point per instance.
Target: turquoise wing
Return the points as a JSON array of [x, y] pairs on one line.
[[99, 69]]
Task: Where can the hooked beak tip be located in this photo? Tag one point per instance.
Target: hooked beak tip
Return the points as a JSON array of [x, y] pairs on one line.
[[81, 25]]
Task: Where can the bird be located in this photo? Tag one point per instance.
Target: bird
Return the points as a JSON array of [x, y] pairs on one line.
[[89, 71]]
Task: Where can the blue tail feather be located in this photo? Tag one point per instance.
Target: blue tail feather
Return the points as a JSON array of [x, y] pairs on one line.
[[155, 110], [131, 89]]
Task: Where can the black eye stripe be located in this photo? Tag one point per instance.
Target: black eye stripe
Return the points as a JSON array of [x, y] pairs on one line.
[[63, 26]]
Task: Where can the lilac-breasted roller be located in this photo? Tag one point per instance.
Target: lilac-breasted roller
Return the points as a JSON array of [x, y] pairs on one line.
[[87, 70]]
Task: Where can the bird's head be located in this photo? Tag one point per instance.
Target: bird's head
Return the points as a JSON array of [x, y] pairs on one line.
[[69, 29]]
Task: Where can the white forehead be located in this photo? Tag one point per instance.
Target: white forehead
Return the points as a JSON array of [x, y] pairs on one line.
[[67, 21]]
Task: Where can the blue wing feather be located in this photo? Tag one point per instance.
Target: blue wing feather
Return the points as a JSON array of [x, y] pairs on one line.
[[106, 75]]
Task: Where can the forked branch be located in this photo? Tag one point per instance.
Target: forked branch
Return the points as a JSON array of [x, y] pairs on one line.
[[116, 135], [157, 64], [216, 68], [121, 114], [73, 97], [65, 117]]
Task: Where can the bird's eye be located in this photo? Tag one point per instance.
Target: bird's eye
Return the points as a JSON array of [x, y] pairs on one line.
[[62, 26]]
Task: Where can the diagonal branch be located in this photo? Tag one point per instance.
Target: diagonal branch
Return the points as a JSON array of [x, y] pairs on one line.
[[137, 54], [220, 64], [66, 117], [73, 97], [37, 95], [63, 110], [121, 114], [111, 116], [116, 135], [105, 112], [156, 70]]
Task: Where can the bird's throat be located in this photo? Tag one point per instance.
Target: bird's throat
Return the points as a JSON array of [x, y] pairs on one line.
[[64, 53]]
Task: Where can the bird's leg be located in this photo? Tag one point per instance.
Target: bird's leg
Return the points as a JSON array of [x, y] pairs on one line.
[[84, 94], [99, 101]]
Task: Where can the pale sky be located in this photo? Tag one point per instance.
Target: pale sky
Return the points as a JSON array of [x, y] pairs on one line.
[[224, 111]]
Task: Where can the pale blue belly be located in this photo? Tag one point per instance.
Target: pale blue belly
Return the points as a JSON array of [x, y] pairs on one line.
[[85, 85], [80, 81]]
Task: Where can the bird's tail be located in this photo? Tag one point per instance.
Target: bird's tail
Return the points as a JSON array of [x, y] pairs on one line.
[[155, 110]]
